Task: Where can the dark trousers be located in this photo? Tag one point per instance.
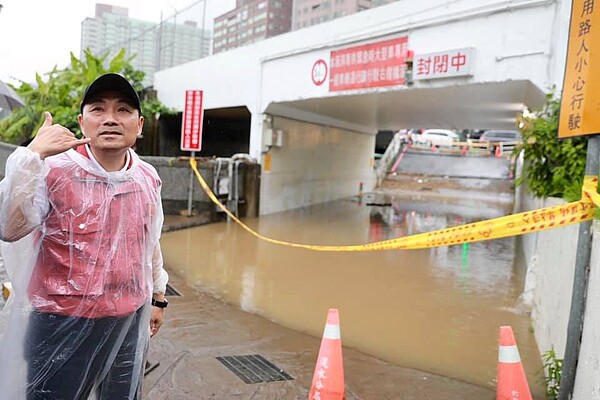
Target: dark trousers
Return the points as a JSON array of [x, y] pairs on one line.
[[68, 357]]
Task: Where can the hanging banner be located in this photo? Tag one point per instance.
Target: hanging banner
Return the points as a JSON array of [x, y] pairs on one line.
[[580, 103], [371, 65]]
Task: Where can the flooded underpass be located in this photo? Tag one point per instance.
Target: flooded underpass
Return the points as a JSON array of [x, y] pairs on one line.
[[435, 310]]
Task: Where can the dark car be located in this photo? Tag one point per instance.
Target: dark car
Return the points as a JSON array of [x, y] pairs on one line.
[[471, 133], [494, 136]]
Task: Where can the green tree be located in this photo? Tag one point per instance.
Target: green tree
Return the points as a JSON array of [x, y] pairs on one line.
[[552, 167], [61, 93]]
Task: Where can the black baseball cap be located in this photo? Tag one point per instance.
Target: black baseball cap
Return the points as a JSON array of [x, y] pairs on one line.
[[111, 82]]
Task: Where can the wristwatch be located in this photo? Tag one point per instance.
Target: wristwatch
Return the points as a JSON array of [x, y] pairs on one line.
[[160, 304]]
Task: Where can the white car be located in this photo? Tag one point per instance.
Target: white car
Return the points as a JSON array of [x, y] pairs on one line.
[[438, 137]]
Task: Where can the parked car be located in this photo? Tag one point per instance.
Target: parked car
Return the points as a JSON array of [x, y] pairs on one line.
[[494, 136], [438, 137], [472, 133]]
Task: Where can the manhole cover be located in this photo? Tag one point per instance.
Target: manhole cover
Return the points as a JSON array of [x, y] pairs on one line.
[[254, 368]]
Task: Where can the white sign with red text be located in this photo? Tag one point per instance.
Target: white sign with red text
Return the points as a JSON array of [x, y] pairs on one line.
[[444, 64], [191, 124]]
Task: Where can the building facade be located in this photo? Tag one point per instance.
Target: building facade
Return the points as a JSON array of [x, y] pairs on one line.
[[155, 46], [251, 21], [377, 3], [311, 12]]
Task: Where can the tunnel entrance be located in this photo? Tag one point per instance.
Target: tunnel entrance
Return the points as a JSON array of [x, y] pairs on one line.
[[225, 132]]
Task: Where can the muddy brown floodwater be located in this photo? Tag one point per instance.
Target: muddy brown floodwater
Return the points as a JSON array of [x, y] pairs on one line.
[[436, 310]]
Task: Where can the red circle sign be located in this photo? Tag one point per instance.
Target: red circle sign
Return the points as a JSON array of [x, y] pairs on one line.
[[319, 72]]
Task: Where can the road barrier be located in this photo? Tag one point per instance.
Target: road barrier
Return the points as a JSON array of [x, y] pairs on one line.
[[471, 148], [510, 225]]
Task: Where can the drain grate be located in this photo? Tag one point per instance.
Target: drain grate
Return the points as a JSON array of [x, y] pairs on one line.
[[254, 368], [170, 291]]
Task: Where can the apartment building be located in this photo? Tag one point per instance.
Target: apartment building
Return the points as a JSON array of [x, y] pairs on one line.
[[156, 46], [311, 12], [377, 3], [251, 21]]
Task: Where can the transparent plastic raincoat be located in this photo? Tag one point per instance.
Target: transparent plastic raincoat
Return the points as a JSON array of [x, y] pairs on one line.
[[81, 247]]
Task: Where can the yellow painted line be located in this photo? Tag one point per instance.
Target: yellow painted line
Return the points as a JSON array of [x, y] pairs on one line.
[[510, 225]]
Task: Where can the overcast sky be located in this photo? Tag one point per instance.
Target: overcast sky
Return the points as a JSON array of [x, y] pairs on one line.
[[36, 35]]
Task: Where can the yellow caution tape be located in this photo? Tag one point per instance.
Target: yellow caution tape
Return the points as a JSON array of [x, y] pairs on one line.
[[511, 225]]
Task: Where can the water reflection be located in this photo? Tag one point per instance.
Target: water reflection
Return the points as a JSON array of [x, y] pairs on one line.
[[435, 309]]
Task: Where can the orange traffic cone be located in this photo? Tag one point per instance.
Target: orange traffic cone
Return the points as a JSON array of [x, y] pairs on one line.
[[512, 382], [328, 380], [498, 151]]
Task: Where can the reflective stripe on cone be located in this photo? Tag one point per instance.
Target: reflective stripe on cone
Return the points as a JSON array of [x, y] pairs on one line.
[[512, 382]]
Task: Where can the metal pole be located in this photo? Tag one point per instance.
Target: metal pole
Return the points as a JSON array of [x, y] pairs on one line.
[[202, 55], [159, 41], [191, 189], [174, 37], [580, 284]]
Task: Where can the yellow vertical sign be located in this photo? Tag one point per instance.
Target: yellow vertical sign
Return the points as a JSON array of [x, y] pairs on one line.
[[267, 165], [580, 103]]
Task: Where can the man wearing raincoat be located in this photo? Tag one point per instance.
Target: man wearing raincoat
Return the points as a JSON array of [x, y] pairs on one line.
[[82, 219]]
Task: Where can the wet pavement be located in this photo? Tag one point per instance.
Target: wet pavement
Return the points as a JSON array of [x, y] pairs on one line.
[[435, 310], [200, 328]]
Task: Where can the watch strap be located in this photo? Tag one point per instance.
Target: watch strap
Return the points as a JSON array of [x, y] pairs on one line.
[[160, 304]]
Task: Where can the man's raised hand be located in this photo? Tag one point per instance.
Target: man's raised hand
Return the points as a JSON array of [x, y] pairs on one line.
[[53, 139]]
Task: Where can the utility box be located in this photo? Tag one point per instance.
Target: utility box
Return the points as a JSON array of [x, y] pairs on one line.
[[273, 137]]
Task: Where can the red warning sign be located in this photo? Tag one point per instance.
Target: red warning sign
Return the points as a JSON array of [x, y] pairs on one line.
[[193, 117]]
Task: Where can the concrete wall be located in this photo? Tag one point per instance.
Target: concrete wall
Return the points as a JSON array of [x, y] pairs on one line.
[[587, 383], [550, 257], [175, 175], [5, 150], [549, 281], [315, 164]]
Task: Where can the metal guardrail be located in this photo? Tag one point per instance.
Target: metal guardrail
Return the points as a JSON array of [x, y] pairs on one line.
[[471, 148]]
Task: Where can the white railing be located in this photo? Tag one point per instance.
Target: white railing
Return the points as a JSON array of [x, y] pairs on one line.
[[388, 157]]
